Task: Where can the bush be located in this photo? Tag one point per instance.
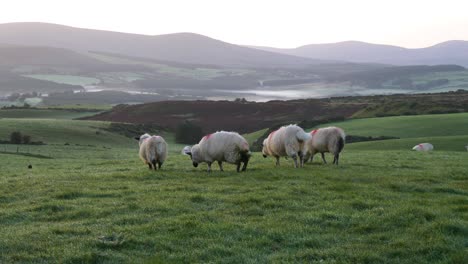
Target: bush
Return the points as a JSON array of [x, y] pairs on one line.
[[26, 139], [188, 133], [16, 137]]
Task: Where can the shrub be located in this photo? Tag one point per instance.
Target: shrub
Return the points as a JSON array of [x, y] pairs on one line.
[[188, 133], [16, 137]]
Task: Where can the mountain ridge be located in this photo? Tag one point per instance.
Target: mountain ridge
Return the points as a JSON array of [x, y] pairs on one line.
[[178, 47]]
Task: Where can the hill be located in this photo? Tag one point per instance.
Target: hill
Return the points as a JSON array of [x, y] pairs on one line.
[[247, 117], [445, 131], [179, 47], [450, 52]]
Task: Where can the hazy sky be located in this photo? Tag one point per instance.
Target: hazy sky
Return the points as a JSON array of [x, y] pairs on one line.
[[291, 23]]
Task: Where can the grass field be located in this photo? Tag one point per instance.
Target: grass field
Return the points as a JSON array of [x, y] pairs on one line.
[[54, 131], [88, 205], [43, 113], [94, 201], [444, 131]]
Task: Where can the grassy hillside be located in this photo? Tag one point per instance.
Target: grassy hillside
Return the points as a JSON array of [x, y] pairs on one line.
[[408, 126], [44, 113], [444, 131], [449, 143], [103, 205], [53, 131]]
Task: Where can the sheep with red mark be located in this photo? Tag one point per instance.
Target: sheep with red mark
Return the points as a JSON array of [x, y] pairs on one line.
[[424, 147], [153, 150], [328, 139], [287, 141], [222, 147]]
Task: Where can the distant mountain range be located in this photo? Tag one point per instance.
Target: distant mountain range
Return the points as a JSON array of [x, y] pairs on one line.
[[48, 58], [198, 49], [181, 47], [450, 52]]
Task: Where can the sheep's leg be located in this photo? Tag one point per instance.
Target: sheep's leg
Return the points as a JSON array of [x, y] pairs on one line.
[[323, 158], [238, 166], [277, 161], [301, 159], [154, 164], [337, 157], [150, 166], [244, 168], [220, 163], [159, 164], [306, 157], [295, 160], [209, 166]]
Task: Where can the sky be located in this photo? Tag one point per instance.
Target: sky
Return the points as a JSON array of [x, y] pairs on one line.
[[274, 23]]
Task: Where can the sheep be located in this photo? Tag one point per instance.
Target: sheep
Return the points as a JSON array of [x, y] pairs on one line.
[[423, 147], [287, 141], [153, 150], [221, 146], [329, 139]]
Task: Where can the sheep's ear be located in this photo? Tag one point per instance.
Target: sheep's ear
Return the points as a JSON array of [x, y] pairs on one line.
[[137, 138], [189, 153]]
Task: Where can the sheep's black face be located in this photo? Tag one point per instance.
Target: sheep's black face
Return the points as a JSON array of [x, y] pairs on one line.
[[195, 164], [264, 155]]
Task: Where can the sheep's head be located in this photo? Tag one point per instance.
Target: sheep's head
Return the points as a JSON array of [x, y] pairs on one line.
[[264, 148], [142, 138], [195, 155]]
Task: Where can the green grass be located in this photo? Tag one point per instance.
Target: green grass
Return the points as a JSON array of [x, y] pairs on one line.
[[89, 204], [407, 126], [66, 79], [94, 201], [54, 131], [43, 113], [444, 131], [251, 137]]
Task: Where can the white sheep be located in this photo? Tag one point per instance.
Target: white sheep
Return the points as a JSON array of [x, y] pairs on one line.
[[287, 141], [153, 150], [221, 146], [329, 139], [423, 147]]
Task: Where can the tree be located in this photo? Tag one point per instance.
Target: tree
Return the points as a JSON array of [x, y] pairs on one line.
[[26, 139], [16, 137], [188, 133]]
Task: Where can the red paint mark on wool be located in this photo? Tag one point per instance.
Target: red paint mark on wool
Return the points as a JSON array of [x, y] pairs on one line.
[[420, 146], [271, 134], [245, 145], [207, 136], [313, 132]]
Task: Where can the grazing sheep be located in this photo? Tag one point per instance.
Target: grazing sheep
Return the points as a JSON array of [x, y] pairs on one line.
[[221, 146], [329, 139], [153, 150], [287, 141], [423, 147]]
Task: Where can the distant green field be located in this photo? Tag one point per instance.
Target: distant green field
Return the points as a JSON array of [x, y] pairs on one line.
[[43, 113], [450, 143], [444, 131], [71, 132], [67, 79], [407, 126], [251, 137], [54, 131]]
